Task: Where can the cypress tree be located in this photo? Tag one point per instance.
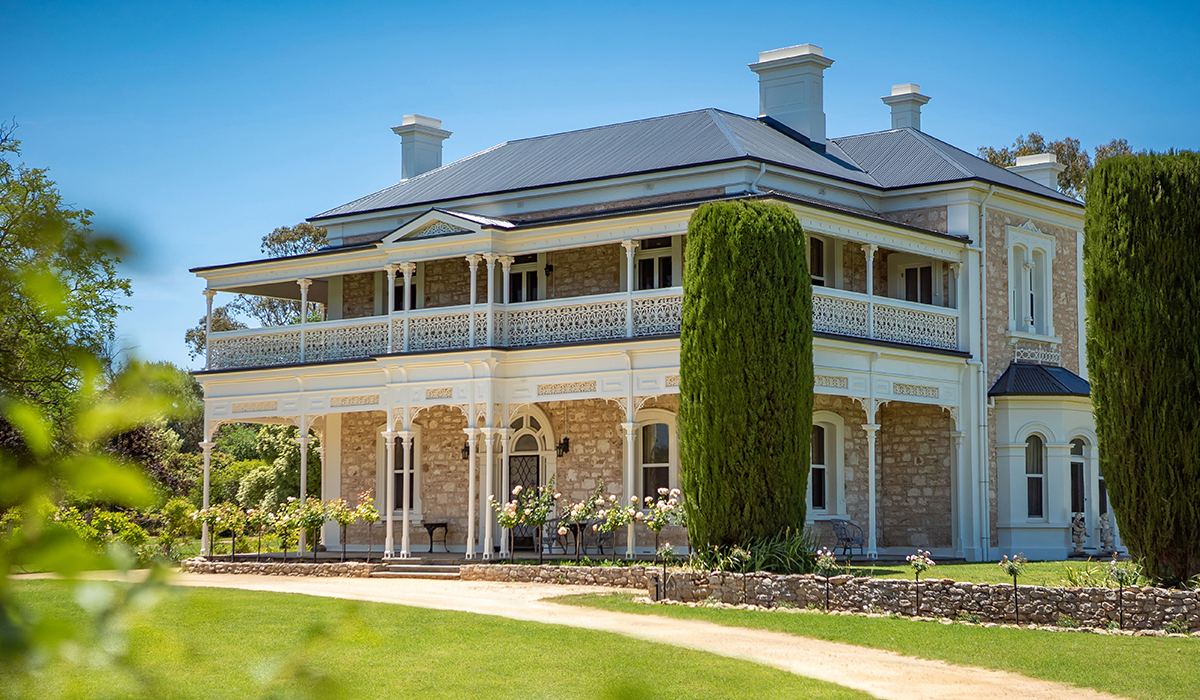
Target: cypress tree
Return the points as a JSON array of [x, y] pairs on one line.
[[1142, 269], [746, 393]]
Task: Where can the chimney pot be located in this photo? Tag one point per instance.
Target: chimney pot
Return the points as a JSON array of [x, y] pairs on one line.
[[1042, 168], [420, 144], [791, 88], [906, 101]]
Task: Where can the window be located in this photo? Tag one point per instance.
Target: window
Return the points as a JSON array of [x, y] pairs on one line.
[[918, 283], [656, 458], [820, 489], [398, 472], [1035, 476], [1077, 483], [655, 263], [816, 261], [399, 296], [1030, 280], [523, 279]]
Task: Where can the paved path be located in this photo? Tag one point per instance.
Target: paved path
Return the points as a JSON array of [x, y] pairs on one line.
[[883, 674]]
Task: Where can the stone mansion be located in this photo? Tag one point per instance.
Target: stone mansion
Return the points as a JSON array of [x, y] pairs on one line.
[[514, 316]]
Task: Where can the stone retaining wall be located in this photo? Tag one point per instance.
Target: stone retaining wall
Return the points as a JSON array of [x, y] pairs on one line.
[[618, 576], [1145, 608], [349, 569]]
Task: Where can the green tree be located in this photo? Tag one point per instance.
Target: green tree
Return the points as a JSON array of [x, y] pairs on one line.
[[745, 415], [1072, 181], [1142, 269], [284, 241], [47, 338], [269, 485]]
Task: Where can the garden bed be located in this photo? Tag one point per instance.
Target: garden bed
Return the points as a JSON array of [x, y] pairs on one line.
[[348, 569]]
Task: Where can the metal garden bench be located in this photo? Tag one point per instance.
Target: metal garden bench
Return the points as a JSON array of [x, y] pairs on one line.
[[849, 536]]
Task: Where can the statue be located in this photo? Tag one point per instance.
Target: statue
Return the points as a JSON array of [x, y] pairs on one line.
[[1106, 534], [1078, 533]]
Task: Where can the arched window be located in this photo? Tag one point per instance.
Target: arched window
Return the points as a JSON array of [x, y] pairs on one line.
[[1035, 476], [826, 495], [819, 486], [1078, 487], [656, 453], [393, 475], [816, 261]]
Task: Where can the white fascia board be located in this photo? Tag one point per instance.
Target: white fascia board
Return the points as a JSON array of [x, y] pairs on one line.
[[1030, 208], [861, 230], [1052, 211]]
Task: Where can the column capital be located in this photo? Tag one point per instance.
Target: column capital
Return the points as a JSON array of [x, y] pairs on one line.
[[491, 258], [869, 249], [407, 268], [473, 259], [303, 440], [210, 293], [488, 432], [304, 283], [506, 261], [871, 428], [388, 434], [629, 246], [471, 432], [206, 446], [630, 429], [391, 269]]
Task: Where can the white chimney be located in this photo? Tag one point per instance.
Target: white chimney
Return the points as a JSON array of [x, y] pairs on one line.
[[1042, 168], [906, 101], [420, 144], [791, 87]]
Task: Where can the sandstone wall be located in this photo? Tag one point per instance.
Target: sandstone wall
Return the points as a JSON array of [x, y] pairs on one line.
[[360, 432], [1145, 608], [349, 569], [358, 295], [617, 576], [914, 466], [585, 271], [931, 218], [854, 268], [448, 282]]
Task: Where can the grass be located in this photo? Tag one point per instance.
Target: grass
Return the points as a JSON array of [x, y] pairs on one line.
[[1038, 573], [215, 643], [1153, 668]]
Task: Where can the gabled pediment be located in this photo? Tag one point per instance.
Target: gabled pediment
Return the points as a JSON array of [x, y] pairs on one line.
[[437, 223]]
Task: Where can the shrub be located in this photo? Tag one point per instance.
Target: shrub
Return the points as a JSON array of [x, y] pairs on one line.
[[1142, 268], [788, 552], [1177, 626], [745, 416], [1067, 621]]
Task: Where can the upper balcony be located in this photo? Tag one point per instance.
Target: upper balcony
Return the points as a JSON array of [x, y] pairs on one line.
[[580, 295]]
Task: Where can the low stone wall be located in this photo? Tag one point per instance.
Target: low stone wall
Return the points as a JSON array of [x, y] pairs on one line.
[[1145, 608], [617, 576], [349, 569]]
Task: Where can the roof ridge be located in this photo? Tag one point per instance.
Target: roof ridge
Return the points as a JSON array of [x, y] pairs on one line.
[[727, 132], [921, 136], [610, 126]]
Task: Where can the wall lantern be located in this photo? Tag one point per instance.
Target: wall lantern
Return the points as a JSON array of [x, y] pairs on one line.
[[466, 451], [563, 446]]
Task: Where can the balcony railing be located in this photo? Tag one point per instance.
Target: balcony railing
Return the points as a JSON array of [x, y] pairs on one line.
[[555, 322]]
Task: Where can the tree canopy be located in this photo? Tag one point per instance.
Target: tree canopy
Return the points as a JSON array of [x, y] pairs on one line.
[[1072, 181]]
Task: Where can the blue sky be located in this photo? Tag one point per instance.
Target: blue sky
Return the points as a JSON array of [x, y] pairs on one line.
[[193, 129]]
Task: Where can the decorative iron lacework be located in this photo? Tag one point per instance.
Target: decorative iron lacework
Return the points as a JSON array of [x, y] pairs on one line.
[[841, 316], [673, 380], [436, 228], [253, 406], [565, 324], [346, 342], [912, 327], [444, 332], [360, 400], [657, 315], [268, 348], [1041, 353], [566, 388], [926, 392], [831, 382], [444, 392]]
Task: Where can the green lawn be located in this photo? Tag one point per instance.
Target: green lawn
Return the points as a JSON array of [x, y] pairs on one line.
[[1153, 668], [214, 643], [1039, 573]]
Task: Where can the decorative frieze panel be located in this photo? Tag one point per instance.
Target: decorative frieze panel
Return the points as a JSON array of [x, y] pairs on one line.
[[255, 406], [1039, 353], [566, 388], [673, 380], [657, 315], [360, 400], [919, 390], [831, 382], [443, 392]]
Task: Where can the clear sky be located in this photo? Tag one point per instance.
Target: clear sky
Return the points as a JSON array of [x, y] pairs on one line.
[[195, 128]]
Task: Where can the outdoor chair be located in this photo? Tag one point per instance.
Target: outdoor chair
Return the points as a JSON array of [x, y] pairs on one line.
[[595, 538], [551, 538], [849, 536]]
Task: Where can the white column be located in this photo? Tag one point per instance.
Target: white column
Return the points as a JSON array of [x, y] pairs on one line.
[[869, 252], [389, 539], [472, 435], [303, 441], [391, 303], [489, 489], [1027, 295], [407, 268], [406, 534], [502, 329], [205, 535], [630, 248], [872, 548], [491, 305], [208, 294], [304, 283], [473, 263], [505, 542], [956, 491], [630, 483]]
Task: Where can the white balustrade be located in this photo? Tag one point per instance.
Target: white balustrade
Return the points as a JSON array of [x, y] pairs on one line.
[[559, 321]]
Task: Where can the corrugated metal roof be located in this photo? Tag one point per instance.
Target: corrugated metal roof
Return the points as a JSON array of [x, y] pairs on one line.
[[885, 159], [1021, 379]]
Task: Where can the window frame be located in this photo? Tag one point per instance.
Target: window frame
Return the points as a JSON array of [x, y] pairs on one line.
[[383, 474], [1039, 476], [1030, 258], [524, 270], [835, 472], [674, 251], [652, 416]]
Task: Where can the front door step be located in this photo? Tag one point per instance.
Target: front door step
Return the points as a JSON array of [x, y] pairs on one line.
[[425, 571]]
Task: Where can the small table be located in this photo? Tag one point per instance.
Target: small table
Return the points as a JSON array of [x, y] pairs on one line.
[[432, 528]]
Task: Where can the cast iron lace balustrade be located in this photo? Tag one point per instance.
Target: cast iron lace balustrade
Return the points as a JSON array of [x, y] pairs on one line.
[[429, 330], [657, 314], [255, 347], [326, 342], [551, 323], [840, 315], [915, 324]]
